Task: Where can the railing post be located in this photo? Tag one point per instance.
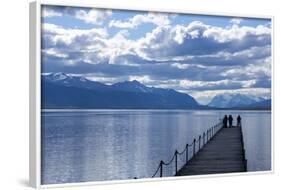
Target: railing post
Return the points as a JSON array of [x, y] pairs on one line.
[[204, 138], [199, 142], [194, 141], [176, 162], [186, 154], [161, 168]]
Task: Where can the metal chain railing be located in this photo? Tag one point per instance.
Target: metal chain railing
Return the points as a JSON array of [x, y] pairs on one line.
[[207, 136]]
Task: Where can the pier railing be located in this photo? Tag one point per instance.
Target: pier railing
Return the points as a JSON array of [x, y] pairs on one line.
[[196, 145], [243, 148]]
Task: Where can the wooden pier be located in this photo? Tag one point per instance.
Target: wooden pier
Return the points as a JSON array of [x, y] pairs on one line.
[[224, 153], [218, 150]]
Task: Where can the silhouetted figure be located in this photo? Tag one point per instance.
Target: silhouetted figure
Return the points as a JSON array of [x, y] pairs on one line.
[[230, 119], [224, 121], [238, 120]]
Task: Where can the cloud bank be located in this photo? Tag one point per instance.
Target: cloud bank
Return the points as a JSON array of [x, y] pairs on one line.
[[191, 57]]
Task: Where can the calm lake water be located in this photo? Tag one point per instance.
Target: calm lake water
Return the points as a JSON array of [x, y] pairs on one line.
[[98, 145]]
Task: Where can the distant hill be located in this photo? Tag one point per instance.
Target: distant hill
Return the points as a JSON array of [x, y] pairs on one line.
[[60, 90], [234, 101], [262, 105]]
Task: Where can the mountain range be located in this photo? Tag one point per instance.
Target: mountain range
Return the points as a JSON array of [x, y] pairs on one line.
[[240, 101], [60, 90]]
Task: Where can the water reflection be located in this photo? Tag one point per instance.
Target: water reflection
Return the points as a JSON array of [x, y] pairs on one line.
[[95, 145]]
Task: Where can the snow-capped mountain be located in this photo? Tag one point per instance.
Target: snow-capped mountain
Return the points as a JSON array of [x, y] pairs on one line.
[[233, 100], [71, 81]]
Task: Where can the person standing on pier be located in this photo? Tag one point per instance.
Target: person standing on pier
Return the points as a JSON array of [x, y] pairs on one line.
[[224, 121], [238, 121], [230, 119]]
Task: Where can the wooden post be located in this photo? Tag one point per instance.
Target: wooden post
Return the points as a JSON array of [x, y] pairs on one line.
[[194, 141], [186, 154], [161, 168], [176, 162], [215, 128], [199, 142], [204, 138]]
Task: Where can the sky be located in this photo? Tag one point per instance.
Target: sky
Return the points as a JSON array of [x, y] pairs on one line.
[[199, 55]]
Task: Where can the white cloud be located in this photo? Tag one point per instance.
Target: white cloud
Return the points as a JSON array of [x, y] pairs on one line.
[[197, 38], [180, 66], [235, 32], [93, 16], [55, 53], [143, 79], [206, 85], [117, 47], [91, 46], [236, 21], [253, 52], [48, 12], [255, 69], [248, 83], [102, 79], [158, 19], [188, 84], [82, 38], [77, 44]]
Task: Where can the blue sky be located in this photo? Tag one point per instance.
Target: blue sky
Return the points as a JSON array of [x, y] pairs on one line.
[[195, 54]]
